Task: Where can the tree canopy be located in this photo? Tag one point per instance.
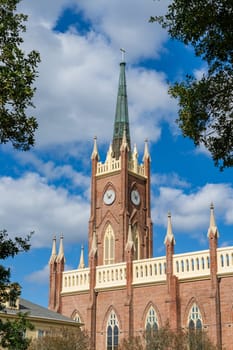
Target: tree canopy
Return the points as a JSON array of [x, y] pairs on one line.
[[205, 104], [12, 332], [62, 339], [17, 74], [164, 338]]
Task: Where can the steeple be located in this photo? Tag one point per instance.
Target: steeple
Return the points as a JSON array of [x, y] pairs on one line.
[[121, 116]]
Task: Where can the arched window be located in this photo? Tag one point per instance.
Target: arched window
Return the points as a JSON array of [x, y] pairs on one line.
[[194, 318], [136, 240], [109, 246], [195, 328], [151, 322], [76, 317], [112, 332]]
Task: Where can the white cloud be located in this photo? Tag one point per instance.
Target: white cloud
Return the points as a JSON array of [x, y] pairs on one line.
[[30, 204], [171, 180], [77, 69], [199, 73], [190, 212], [39, 277], [126, 24], [53, 172]]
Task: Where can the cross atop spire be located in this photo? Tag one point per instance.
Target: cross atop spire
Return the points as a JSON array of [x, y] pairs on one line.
[[122, 55], [121, 122]]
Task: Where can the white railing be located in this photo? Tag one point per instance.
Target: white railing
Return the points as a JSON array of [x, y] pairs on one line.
[[136, 168], [149, 270], [75, 280], [225, 260], [115, 165], [185, 266], [194, 264], [108, 166], [111, 275]]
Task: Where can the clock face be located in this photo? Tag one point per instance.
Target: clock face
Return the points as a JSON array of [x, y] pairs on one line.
[[109, 197], [135, 197]]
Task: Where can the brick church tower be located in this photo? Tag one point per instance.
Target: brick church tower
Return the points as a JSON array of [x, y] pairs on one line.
[[120, 192], [125, 290]]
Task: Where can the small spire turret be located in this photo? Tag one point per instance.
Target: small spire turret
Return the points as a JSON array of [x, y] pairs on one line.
[[95, 153], [61, 255], [135, 152], [54, 252], [146, 151], [109, 153], [169, 236], [124, 144], [212, 228], [81, 261]]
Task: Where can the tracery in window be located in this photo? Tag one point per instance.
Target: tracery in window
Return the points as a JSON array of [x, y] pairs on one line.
[[194, 318], [76, 317], [109, 246], [195, 328], [151, 321], [112, 332]]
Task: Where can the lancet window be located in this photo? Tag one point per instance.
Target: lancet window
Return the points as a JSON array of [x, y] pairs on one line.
[[151, 321], [109, 246], [112, 332], [194, 318], [76, 317]]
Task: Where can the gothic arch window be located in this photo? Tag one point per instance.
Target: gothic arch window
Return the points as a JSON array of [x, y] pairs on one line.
[[151, 321], [109, 246], [195, 318], [136, 240], [76, 317], [112, 332]]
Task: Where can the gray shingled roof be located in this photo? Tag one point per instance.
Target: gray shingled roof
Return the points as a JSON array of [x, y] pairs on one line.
[[37, 311]]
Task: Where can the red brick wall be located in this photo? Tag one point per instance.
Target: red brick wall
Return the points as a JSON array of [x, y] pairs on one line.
[[198, 291]]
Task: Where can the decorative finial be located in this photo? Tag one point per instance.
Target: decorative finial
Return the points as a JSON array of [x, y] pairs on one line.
[[169, 236], [146, 151], [54, 253], [81, 261], [61, 249], [212, 228], [122, 54], [95, 150]]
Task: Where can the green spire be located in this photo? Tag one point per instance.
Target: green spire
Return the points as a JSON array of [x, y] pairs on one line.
[[121, 116]]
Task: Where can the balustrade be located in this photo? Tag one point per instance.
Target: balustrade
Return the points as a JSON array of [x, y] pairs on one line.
[[185, 266]]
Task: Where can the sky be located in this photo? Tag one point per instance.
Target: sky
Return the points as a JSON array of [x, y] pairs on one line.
[[47, 190]]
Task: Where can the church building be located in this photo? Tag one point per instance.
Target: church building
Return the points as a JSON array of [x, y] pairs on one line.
[[125, 289]]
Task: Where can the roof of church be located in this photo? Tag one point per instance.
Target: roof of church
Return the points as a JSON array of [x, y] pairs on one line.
[[37, 311], [121, 122]]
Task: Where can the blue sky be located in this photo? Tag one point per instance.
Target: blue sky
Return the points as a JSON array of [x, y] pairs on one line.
[[47, 190]]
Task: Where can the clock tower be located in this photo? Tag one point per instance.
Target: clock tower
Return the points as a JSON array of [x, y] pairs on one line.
[[120, 193]]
